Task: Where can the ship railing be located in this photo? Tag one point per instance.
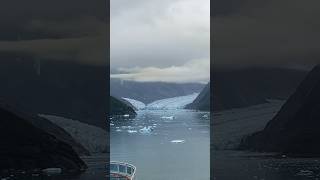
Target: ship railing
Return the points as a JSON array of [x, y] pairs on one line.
[[122, 169]]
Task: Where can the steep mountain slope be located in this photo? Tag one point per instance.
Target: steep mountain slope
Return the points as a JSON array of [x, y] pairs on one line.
[[246, 87], [47, 126], [91, 137], [202, 102], [65, 89], [25, 146], [148, 92], [118, 107], [295, 129]]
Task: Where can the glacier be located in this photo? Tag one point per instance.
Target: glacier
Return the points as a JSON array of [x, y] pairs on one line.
[[172, 103], [135, 103], [164, 104]]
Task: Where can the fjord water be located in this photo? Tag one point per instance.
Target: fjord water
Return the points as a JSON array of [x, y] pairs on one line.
[[231, 165], [96, 170], [163, 144]]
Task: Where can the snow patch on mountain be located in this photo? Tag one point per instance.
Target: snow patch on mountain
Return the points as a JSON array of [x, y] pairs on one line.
[[135, 103]]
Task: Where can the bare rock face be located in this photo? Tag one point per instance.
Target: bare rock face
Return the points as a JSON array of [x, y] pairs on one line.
[[24, 146], [202, 102], [295, 129]]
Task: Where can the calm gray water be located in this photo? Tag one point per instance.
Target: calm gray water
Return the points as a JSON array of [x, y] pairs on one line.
[[232, 165], [177, 147], [96, 170]]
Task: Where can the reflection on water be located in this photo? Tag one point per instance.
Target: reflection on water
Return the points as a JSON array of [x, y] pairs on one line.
[[231, 165], [163, 144]]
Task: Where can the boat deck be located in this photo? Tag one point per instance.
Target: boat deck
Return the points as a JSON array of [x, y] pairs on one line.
[[122, 171]]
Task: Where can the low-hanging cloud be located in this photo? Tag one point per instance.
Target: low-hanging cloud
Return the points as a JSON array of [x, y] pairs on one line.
[[159, 33], [193, 71]]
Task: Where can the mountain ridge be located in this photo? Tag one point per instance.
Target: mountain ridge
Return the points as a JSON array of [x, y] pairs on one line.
[[294, 130], [148, 92], [24, 146]]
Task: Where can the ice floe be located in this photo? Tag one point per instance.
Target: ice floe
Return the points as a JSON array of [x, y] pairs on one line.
[[132, 131], [178, 141], [146, 130], [305, 173], [167, 117]]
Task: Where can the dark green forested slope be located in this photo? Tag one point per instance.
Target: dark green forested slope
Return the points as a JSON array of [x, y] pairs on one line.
[[117, 107]]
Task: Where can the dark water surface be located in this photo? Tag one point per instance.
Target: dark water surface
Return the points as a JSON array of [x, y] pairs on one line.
[[237, 165], [163, 144], [96, 170]]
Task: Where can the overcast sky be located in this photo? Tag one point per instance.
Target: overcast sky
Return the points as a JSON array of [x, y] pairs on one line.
[[60, 30], [167, 40], [281, 33]]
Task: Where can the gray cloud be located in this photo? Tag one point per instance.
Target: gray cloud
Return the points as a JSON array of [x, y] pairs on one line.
[[273, 33], [192, 71], [74, 30], [76, 50], [156, 35]]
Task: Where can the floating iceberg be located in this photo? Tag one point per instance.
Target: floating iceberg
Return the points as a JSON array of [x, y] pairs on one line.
[[167, 117], [305, 173], [146, 130], [205, 116], [178, 141], [132, 131]]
